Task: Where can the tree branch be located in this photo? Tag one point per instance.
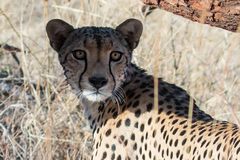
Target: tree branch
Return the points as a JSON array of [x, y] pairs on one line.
[[218, 13]]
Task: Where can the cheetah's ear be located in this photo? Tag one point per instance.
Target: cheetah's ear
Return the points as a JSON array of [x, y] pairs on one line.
[[58, 31], [132, 31]]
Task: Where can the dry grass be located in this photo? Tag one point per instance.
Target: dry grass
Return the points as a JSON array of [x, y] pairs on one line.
[[203, 60]]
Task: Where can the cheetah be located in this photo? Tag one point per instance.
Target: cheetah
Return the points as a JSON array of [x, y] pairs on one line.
[[130, 115]]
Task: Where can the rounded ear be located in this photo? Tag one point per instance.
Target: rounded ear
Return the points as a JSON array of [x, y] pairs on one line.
[[131, 30], [58, 31]]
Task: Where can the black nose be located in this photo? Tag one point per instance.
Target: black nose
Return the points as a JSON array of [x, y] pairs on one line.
[[97, 82]]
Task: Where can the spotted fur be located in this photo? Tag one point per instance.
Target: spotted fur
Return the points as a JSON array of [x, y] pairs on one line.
[[128, 120]]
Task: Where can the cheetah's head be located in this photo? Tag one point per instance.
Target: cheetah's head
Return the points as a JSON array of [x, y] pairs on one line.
[[95, 59]]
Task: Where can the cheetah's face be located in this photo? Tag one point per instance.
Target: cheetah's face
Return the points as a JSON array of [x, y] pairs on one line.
[[95, 59]]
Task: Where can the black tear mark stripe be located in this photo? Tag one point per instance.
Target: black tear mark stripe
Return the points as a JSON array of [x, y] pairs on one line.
[[80, 78], [109, 65], [65, 59]]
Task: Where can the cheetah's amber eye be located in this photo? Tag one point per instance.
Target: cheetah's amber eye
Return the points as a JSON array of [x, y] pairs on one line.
[[79, 54], [116, 56]]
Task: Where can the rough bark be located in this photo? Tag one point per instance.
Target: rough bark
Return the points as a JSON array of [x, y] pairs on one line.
[[218, 13]]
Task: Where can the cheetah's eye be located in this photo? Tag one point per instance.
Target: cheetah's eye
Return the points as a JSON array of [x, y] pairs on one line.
[[79, 54], [116, 56]]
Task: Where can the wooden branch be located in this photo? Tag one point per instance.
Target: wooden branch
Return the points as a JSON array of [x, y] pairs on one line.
[[218, 13]]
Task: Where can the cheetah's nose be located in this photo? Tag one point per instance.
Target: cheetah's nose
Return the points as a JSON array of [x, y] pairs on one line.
[[98, 82]]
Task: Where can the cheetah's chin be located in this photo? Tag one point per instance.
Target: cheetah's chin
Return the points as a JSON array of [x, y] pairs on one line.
[[96, 96]]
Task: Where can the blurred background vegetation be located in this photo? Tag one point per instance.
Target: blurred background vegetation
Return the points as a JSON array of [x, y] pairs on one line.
[[40, 116]]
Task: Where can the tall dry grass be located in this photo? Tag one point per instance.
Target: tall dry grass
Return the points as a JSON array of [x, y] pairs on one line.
[[203, 60]]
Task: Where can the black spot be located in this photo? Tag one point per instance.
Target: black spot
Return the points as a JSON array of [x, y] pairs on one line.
[[160, 110], [218, 147], [169, 107], [119, 123], [159, 147], [183, 132], [142, 127], [113, 156], [166, 99], [135, 146], [133, 137], [169, 112], [193, 137], [162, 129], [232, 134], [142, 138], [236, 144], [108, 132], [135, 104], [183, 122], [157, 120], [216, 140], [176, 143], [121, 139], [137, 157], [143, 85], [171, 155], [151, 95], [175, 121], [125, 143], [150, 154], [164, 134], [127, 122], [160, 103], [238, 150], [145, 146], [145, 90], [184, 141], [114, 109], [137, 81], [129, 104], [170, 142], [166, 140], [131, 95], [104, 155], [113, 147], [149, 107], [146, 136], [119, 157], [124, 107], [203, 143], [178, 153], [136, 125], [149, 121], [89, 117], [194, 150], [205, 153], [115, 115], [107, 145], [137, 113], [97, 130], [162, 121], [193, 126], [137, 96]]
